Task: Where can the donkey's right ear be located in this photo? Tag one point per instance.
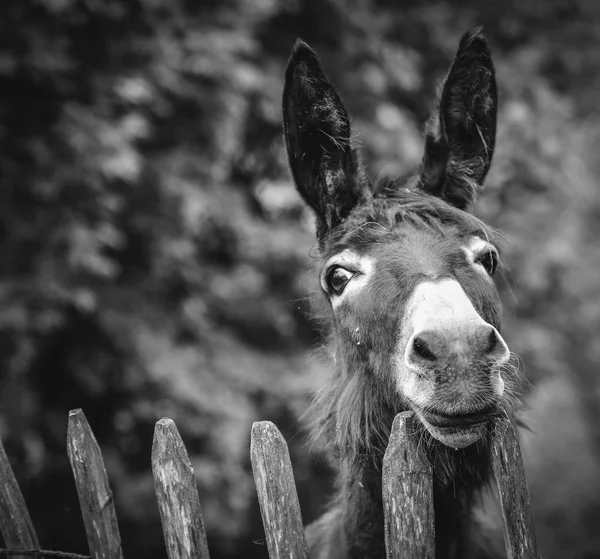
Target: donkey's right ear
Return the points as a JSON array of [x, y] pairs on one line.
[[317, 136]]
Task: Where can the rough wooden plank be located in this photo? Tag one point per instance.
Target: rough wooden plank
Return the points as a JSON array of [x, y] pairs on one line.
[[519, 529], [93, 490], [177, 494], [277, 494], [15, 523], [407, 494]]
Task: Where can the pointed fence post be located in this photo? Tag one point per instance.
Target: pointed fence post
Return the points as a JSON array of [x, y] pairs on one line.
[[15, 523], [517, 519], [177, 494], [93, 490], [277, 494], [407, 494]]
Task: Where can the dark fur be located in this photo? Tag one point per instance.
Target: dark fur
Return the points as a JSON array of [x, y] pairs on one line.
[[461, 133], [411, 232], [317, 135]]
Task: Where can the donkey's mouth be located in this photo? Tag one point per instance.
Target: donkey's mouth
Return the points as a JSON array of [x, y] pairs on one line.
[[440, 419], [457, 430]]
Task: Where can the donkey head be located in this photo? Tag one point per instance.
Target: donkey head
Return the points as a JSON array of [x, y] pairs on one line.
[[407, 271]]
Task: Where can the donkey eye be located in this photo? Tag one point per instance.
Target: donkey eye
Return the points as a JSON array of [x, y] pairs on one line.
[[489, 260], [337, 279]]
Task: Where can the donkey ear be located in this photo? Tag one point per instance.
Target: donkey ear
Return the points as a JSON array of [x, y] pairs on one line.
[[317, 137], [461, 133]]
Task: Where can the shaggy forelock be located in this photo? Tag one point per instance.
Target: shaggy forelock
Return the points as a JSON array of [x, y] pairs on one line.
[[392, 206]]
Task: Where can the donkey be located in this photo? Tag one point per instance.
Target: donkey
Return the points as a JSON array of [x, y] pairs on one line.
[[413, 313]]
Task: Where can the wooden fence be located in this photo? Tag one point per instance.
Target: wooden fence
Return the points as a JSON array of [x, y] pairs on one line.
[[407, 496]]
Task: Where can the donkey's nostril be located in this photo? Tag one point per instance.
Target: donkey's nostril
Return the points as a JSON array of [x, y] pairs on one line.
[[492, 340], [458, 345], [422, 347], [495, 347]]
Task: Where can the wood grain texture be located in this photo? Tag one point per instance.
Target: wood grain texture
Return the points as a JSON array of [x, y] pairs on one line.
[[407, 494], [277, 494], [15, 523], [519, 529], [93, 490], [177, 494]]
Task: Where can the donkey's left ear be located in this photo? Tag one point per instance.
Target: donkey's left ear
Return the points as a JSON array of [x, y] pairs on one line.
[[317, 137], [461, 133]]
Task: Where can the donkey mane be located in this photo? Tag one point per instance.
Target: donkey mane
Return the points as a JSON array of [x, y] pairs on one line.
[[393, 204]]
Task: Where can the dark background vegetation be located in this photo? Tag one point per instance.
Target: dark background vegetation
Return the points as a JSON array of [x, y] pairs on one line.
[[154, 256]]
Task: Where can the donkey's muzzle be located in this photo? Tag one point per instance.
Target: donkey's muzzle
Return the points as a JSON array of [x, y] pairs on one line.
[[457, 345]]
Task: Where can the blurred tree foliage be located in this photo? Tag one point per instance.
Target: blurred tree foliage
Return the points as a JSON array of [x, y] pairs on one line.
[[154, 256]]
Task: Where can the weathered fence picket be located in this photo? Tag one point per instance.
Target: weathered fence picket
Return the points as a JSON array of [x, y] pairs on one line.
[[93, 490], [177, 494], [277, 494], [15, 523], [407, 494], [517, 519]]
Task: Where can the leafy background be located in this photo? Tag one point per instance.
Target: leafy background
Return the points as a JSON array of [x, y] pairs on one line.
[[155, 258]]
